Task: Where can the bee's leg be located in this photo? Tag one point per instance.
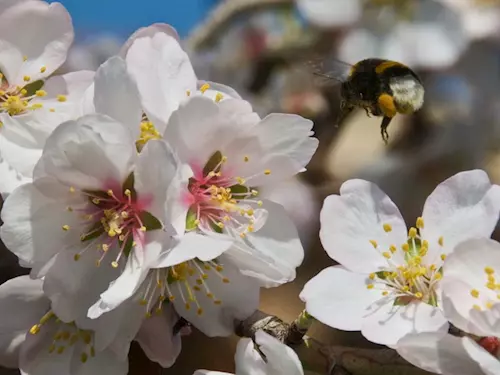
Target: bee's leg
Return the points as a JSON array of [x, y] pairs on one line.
[[345, 110], [383, 128], [368, 112]]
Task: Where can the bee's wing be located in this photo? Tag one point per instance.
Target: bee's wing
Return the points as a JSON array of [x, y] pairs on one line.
[[327, 71]]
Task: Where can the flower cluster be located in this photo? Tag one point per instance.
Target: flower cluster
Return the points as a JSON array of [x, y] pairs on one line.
[[132, 195]]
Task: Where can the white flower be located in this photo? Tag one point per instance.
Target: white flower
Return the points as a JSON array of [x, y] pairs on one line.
[[279, 358], [448, 355], [419, 34], [471, 289], [94, 217], [330, 13], [30, 109], [224, 297], [480, 18], [36, 341], [388, 281]]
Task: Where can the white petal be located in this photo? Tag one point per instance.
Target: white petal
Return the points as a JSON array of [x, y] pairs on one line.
[[387, 324], [156, 170], [464, 206], [103, 363], [22, 304], [248, 360], [463, 271], [339, 298], [201, 127], [208, 372], [193, 245], [282, 143], [89, 153], [163, 74], [149, 31], [438, 353], [489, 364], [281, 359], [240, 298], [156, 339], [327, 13], [215, 91], [272, 253], [32, 222], [116, 94], [350, 221], [45, 38]]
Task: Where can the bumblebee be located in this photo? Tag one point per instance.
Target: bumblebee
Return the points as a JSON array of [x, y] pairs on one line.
[[383, 88]]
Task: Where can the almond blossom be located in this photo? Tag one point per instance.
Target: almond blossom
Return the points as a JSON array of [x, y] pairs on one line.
[[30, 107], [93, 220], [448, 355], [471, 290], [267, 355], [389, 279]]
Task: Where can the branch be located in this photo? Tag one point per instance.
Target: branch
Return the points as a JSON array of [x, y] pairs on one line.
[[324, 359], [221, 15]]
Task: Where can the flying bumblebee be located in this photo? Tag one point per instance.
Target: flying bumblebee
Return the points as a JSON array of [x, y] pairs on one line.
[[383, 88]]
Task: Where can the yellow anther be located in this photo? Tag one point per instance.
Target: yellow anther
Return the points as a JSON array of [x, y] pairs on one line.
[[77, 257], [2, 93], [260, 203], [25, 58], [432, 267], [43, 69], [489, 305], [37, 106], [114, 264], [489, 270], [385, 292], [386, 255], [419, 295], [438, 276], [65, 227], [24, 92], [109, 192], [372, 276], [405, 247], [374, 243], [41, 93], [217, 302], [199, 311], [491, 286], [197, 222], [96, 200], [420, 223], [188, 92], [35, 329], [491, 278], [443, 257], [52, 109], [387, 227], [143, 229], [267, 172], [406, 288], [246, 158], [220, 225], [393, 249], [60, 350], [477, 307], [369, 286], [127, 192], [105, 247], [204, 87], [27, 78], [474, 293], [412, 233], [187, 305], [440, 241], [61, 98], [243, 235], [218, 97]]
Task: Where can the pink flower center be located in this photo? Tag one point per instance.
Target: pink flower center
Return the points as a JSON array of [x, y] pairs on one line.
[[113, 218], [218, 200]]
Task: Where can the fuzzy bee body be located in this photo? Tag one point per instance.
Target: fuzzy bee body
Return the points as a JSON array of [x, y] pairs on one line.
[[383, 88]]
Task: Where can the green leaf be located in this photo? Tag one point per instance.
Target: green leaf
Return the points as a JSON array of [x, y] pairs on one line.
[[128, 245], [214, 163], [94, 231], [129, 184], [190, 220], [32, 87], [149, 221]]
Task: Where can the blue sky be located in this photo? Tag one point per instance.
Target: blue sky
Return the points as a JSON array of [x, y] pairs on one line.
[[124, 16]]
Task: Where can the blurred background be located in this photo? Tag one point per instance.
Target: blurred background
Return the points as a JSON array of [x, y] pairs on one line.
[[259, 47]]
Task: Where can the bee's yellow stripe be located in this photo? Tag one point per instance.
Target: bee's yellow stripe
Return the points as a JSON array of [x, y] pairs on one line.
[[386, 65], [386, 105]]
